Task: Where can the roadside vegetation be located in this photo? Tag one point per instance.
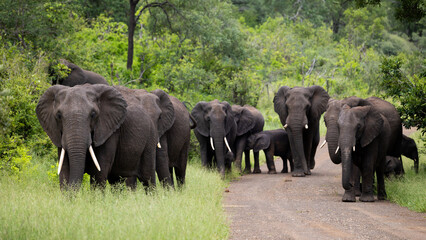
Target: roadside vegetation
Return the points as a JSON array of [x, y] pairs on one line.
[[238, 51]]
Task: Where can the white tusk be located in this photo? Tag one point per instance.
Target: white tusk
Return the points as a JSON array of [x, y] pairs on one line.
[[211, 143], [158, 145], [322, 145], [61, 160], [92, 153], [285, 126], [337, 150], [306, 126], [227, 145], [353, 148]]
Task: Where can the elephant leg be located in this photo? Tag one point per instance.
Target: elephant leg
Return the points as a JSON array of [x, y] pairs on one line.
[[256, 167], [314, 149], [285, 167], [240, 146], [270, 162], [162, 163], [356, 180], [367, 194], [381, 191], [182, 163], [171, 176], [247, 168], [131, 182], [290, 160], [147, 167]]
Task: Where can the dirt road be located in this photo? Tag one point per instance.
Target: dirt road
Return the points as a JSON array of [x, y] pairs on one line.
[[279, 206]]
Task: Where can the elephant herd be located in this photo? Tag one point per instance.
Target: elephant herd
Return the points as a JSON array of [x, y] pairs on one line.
[[117, 134]]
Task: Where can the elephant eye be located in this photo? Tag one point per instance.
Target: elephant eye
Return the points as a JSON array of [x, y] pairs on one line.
[[208, 118], [59, 115], [93, 114]]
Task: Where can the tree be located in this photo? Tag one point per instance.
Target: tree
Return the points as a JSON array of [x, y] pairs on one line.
[[409, 91], [133, 19]]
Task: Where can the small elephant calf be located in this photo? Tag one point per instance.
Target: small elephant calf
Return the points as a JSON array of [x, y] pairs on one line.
[[273, 143]]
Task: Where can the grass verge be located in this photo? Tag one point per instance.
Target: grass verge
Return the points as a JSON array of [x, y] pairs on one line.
[[33, 207], [410, 190]]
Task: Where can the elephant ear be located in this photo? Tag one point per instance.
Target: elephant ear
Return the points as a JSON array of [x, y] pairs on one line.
[[244, 119], [373, 125], [280, 103], [167, 117], [46, 115], [229, 120], [198, 112], [263, 141], [112, 112], [319, 101]]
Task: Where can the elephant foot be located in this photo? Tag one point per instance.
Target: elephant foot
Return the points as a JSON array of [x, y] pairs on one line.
[[381, 196], [349, 196], [312, 165], [257, 170], [298, 173], [308, 172], [367, 197], [247, 171], [284, 171], [272, 171]]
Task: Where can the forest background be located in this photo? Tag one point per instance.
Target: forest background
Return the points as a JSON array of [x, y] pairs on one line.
[[240, 51]]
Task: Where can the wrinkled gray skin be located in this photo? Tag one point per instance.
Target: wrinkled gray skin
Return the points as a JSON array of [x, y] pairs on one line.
[[249, 121], [364, 139], [77, 76], [178, 140], [159, 107], [409, 149], [273, 143], [393, 166], [215, 120], [332, 136], [297, 107], [114, 123]]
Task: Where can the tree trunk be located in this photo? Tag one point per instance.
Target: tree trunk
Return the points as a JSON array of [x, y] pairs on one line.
[[132, 25]]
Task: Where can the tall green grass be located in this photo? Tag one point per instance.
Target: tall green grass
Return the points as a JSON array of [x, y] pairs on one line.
[[33, 207], [410, 190]]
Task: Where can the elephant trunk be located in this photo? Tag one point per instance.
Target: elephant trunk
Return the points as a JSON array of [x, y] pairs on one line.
[[346, 167], [332, 138], [76, 145], [297, 149], [220, 154]]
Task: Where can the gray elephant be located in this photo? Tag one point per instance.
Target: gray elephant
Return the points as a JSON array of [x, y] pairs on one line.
[[409, 149], [216, 132], [300, 110], [273, 143], [364, 139], [74, 75], [249, 121], [159, 107], [333, 134], [102, 123]]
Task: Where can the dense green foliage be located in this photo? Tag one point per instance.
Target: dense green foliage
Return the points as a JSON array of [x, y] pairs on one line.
[[240, 51]]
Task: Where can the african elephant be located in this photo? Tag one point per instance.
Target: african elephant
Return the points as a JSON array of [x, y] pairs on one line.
[[160, 108], [409, 149], [300, 109], [216, 132], [249, 121], [364, 139], [331, 117], [273, 143], [76, 75], [107, 123]]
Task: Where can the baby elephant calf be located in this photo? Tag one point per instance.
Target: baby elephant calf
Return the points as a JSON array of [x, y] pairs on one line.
[[273, 143]]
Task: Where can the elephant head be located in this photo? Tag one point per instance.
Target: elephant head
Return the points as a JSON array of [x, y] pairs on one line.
[[77, 118], [258, 141], [215, 121], [330, 118], [299, 110], [409, 149], [358, 126], [245, 118], [159, 106]]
